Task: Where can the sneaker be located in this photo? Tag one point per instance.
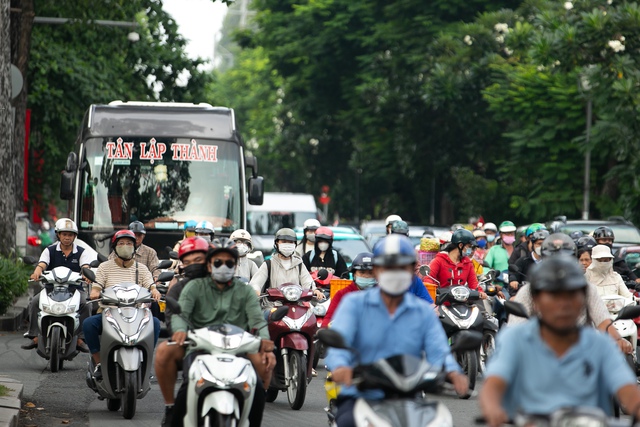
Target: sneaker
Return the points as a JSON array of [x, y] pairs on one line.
[[33, 344], [314, 373], [97, 373], [82, 347], [168, 416]]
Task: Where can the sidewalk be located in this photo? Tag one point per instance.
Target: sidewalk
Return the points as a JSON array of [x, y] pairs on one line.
[[10, 404]]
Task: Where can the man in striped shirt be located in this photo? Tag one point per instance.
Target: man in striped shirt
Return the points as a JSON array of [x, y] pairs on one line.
[[143, 253]]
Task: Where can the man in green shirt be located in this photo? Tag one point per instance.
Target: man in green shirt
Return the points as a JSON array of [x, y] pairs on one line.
[[218, 299], [498, 256]]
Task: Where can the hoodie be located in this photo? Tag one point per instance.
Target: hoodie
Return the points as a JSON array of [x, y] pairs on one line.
[[607, 281], [449, 274]]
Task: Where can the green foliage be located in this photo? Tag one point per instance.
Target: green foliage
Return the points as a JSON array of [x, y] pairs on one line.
[[13, 281]]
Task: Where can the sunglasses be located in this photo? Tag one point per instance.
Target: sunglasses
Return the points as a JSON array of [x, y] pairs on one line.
[[229, 263]]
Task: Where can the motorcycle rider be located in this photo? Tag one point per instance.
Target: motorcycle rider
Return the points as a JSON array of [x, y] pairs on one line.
[[246, 268], [64, 253], [400, 227], [525, 248], [220, 298], [480, 251], [585, 245], [531, 360], [601, 274], [309, 237], [605, 236], [189, 231], [143, 254], [523, 265], [491, 231], [595, 311], [123, 269], [205, 230], [323, 256], [390, 220], [498, 256], [367, 320], [168, 358], [285, 266]]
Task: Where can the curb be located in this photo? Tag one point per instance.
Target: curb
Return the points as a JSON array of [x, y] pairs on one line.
[[10, 405], [15, 316]]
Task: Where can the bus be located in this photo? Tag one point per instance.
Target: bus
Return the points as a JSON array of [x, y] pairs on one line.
[[162, 164]]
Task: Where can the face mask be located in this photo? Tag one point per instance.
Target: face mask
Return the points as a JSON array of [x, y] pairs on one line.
[[311, 237], [538, 250], [601, 267], [323, 246], [490, 238], [467, 252], [222, 274], [287, 249], [242, 249], [206, 237], [365, 282], [508, 240], [124, 252], [395, 282], [481, 243], [193, 271]]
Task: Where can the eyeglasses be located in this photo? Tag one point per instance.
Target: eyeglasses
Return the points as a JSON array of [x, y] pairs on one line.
[[229, 263]]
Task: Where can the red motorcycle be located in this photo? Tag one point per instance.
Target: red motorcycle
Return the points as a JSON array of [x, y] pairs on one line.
[[293, 337], [323, 282]]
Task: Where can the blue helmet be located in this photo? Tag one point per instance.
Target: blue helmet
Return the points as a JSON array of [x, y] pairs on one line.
[[190, 225], [362, 261], [394, 250]]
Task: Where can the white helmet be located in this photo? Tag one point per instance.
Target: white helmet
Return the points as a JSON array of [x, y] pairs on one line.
[[446, 237], [205, 227], [66, 224], [312, 224], [241, 234], [490, 227], [391, 219]]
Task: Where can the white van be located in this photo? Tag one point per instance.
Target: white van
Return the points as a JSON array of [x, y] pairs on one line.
[[278, 210]]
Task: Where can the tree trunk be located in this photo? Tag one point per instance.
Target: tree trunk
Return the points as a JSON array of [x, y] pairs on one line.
[[7, 196]]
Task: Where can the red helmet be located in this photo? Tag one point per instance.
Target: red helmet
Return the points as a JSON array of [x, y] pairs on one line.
[[324, 233], [193, 244], [122, 234]]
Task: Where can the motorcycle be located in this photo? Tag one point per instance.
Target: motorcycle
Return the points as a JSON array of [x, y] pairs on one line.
[[293, 337], [403, 379], [577, 416], [59, 316], [323, 282], [491, 324], [625, 327], [222, 384], [126, 345]]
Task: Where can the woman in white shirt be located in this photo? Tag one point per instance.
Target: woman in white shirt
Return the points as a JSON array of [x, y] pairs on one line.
[[600, 273]]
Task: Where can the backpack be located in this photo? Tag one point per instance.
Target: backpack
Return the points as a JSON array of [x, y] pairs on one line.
[[267, 284]]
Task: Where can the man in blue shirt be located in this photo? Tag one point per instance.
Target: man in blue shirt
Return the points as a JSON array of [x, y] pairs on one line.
[[550, 362], [387, 321]]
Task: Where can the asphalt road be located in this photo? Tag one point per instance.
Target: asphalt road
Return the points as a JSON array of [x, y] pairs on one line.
[[63, 398]]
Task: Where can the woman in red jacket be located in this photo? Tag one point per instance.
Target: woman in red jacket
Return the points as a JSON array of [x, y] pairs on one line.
[[453, 266]]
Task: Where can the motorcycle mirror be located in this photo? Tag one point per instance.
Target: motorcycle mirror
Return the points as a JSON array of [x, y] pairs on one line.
[[425, 270], [323, 274], [629, 312], [165, 276], [29, 260], [164, 264], [173, 305], [466, 341], [89, 274], [102, 258], [516, 309], [278, 314], [94, 264], [173, 255], [332, 339]]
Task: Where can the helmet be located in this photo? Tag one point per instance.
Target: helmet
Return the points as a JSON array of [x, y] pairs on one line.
[[490, 227], [391, 219], [190, 225], [122, 234], [137, 227], [362, 261], [507, 227], [240, 234], [557, 274], [463, 236], [191, 245], [533, 228], [324, 233], [575, 235], [455, 227], [223, 245], [479, 233], [66, 224], [539, 235], [557, 244], [394, 250], [598, 233], [205, 227], [311, 224], [286, 234], [445, 237], [586, 243], [400, 227]]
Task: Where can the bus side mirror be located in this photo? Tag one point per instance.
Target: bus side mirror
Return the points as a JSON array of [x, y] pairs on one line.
[[251, 162], [256, 190], [68, 178]]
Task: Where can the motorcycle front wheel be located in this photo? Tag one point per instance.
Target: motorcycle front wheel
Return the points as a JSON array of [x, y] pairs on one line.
[[469, 362], [297, 389], [130, 395], [487, 348], [55, 346]]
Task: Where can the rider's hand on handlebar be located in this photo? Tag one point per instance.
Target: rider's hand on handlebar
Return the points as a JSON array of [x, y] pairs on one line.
[[625, 346], [95, 293], [179, 337], [513, 284], [156, 295], [342, 375], [460, 382], [319, 295], [482, 295], [35, 275], [501, 295]]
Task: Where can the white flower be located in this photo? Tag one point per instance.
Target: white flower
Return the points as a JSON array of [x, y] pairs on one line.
[[540, 67], [616, 45], [508, 51], [568, 5], [622, 38], [585, 83], [501, 28], [556, 63], [314, 142], [500, 39], [467, 40], [609, 1]]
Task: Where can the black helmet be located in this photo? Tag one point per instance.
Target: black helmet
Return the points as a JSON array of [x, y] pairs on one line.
[[222, 245], [557, 274], [400, 227], [538, 235], [586, 243], [558, 243], [137, 227], [603, 232], [362, 261], [463, 236], [576, 234]]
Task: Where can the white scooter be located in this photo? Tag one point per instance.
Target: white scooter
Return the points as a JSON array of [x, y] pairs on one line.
[[222, 384], [625, 327]]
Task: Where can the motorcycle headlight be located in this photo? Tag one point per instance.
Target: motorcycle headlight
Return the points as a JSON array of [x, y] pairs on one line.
[[292, 293], [58, 308], [460, 293], [319, 310]]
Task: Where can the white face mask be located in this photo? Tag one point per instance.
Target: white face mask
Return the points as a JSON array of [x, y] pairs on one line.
[[206, 237], [242, 249], [395, 282], [601, 267], [286, 249], [323, 246], [538, 250], [311, 237], [124, 252]]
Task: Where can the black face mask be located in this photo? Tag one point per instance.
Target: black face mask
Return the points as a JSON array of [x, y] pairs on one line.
[[195, 271]]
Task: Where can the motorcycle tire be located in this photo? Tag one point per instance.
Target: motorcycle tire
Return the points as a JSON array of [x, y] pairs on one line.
[[318, 350], [297, 389], [54, 349], [130, 395], [113, 405], [469, 362], [487, 348], [272, 394], [217, 419]]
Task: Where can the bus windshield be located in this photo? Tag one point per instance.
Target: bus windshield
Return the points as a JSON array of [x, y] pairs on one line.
[[162, 182]]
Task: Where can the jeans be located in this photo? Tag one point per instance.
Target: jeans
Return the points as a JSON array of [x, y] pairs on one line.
[[34, 309], [344, 416], [93, 329]]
